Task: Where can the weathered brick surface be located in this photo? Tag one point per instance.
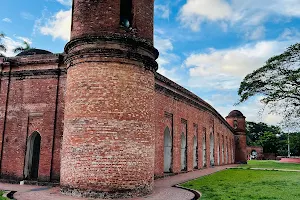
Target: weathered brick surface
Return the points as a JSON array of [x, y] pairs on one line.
[[108, 143], [170, 108], [109, 126], [98, 17], [31, 106], [237, 120]]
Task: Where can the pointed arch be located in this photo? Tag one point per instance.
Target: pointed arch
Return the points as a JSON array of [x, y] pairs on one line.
[[212, 149], [223, 159], [31, 168], [218, 149], [167, 150], [195, 152], [183, 152], [204, 148], [226, 150]]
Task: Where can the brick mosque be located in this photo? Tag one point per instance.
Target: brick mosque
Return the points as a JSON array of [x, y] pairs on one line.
[[98, 119]]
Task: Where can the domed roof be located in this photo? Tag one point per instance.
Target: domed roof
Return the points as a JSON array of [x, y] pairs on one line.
[[235, 113], [31, 52]]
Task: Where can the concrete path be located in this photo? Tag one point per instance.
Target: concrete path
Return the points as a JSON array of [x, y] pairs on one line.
[[273, 169], [162, 188]]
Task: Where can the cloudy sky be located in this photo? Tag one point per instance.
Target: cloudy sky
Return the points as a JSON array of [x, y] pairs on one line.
[[207, 46]]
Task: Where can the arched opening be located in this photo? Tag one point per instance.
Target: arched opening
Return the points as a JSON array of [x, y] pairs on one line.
[[126, 13], [211, 149], [167, 151], [232, 151], [223, 150], [226, 151], [253, 154], [204, 150], [183, 152], [218, 150], [195, 153], [31, 170]]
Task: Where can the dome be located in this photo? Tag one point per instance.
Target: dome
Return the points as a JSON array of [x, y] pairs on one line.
[[31, 52], [236, 113]]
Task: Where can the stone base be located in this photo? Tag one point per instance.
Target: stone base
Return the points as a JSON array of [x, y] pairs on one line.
[[116, 194]]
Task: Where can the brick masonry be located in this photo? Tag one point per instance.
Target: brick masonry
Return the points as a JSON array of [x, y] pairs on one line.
[[110, 106], [131, 100]]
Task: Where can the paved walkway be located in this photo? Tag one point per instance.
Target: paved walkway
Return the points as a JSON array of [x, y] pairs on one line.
[[273, 169], [162, 188]]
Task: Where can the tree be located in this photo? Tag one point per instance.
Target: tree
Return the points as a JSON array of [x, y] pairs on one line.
[[270, 142], [278, 82], [2, 46], [255, 130], [22, 48]]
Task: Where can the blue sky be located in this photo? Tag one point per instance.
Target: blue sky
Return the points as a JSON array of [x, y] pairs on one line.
[[207, 46]]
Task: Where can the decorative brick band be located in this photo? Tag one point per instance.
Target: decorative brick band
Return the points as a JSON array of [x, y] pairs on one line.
[[112, 46], [117, 194], [42, 72]]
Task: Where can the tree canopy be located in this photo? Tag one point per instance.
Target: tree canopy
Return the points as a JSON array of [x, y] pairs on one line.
[[22, 48], [2, 46], [277, 82]]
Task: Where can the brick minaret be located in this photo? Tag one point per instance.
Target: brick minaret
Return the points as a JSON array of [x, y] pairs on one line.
[[237, 121], [108, 141]]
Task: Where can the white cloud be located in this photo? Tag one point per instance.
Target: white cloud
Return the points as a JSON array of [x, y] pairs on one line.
[[65, 2], [57, 26], [290, 34], [224, 69], [27, 16], [12, 43], [236, 12], [256, 34], [163, 44], [163, 11], [28, 40], [194, 12], [7, 20], [252, 109]]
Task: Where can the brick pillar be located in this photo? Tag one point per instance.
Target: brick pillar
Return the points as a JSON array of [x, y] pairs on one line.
[[4, 90], [237, 121], [109, 134]]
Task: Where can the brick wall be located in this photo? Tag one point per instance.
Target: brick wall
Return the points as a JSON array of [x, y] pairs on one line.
[[29, 99], [92, 18], [108, 143], [171, 106]]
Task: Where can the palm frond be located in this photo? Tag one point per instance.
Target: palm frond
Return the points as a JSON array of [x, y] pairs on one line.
[[2, 48], [27, 45], [18, 49]]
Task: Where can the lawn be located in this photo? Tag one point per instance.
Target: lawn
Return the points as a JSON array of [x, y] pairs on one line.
[[2, 198], [270, 164], [245, 184]]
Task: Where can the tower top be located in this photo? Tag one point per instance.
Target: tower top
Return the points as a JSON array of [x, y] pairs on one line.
[[127, 18], [237, 121]]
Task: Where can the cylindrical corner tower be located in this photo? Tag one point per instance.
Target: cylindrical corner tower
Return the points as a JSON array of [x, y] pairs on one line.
[[108, 141], [237, 121]]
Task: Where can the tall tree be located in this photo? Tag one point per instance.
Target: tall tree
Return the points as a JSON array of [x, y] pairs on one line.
[[255, 131], [270, 142], [278, 82], [2, 46], [22, 48]]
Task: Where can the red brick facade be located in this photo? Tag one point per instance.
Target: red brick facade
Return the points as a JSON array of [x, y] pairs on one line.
[[32, 99], [36, 95], [122, 123]]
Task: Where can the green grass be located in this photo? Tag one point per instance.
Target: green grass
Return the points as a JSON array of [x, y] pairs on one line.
[[2, 198], [243, 184], [270, 164]]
